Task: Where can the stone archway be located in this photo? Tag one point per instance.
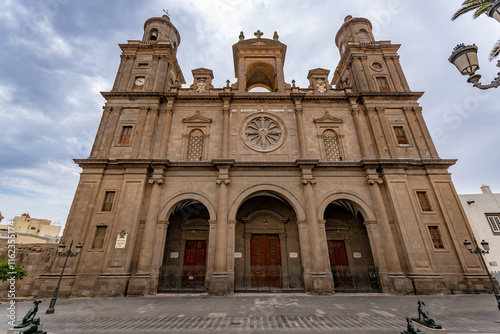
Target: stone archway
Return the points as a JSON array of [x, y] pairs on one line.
[[267, 245], [349, 251], [186, 251]]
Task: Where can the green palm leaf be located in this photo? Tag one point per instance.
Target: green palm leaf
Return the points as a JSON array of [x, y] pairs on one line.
[[495, 52], [479, 6]]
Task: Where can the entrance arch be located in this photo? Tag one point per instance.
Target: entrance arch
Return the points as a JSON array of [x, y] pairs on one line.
[[267, 247], [185, 255], [349, 250]]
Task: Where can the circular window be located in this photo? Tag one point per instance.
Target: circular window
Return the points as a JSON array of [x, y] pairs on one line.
[[263, 133], [377, 66]]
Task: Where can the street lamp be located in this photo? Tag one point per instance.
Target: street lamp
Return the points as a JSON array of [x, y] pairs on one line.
[[494, 10], [464, 57], [475, 249], [69, 253]]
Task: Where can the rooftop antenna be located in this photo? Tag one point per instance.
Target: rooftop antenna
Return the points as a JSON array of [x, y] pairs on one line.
[[166, 13]]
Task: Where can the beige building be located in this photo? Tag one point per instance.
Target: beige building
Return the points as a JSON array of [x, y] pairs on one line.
[[31, 230], [332, 187], [483, 213]]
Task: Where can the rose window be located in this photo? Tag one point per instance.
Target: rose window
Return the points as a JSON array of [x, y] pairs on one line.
[[263, 133]]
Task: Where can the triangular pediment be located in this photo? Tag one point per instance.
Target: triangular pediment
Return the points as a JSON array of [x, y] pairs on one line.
[[328, 119], [197, 119]]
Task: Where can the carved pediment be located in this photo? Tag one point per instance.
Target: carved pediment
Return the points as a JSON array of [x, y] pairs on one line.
[[197, 118], [328, 119]]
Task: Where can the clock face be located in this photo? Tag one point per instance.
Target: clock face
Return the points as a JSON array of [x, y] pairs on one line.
[[140, 81]]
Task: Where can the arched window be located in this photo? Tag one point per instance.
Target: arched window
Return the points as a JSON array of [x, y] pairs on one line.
[[195, 145], [332, 145], [153, 35], [363, 36]]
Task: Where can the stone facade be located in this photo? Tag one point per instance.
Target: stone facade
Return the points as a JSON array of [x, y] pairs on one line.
[[299, 180]]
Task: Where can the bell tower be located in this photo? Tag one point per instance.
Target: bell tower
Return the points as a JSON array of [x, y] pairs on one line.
[[367, 65], [150, 65], [258, 62]]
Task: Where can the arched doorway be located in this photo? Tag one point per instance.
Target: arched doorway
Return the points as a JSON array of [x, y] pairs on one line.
[[349, 251], [267, 249], [185, 256]]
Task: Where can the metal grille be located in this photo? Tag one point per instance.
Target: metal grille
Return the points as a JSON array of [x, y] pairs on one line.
[[355, 278], [177, 279], [195, 145], [270, 279], [332, 146]]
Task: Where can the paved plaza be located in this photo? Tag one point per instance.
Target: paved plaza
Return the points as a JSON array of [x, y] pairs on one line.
[[262, 313]]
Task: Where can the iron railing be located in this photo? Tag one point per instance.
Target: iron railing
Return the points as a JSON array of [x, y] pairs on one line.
[[356, 278]]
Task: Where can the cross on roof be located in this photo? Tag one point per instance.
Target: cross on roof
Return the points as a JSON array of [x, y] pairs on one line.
[[258, 33]]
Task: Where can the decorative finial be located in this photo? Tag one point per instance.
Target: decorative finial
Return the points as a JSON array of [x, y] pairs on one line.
[[227, 83], [242, 36], [166, 13], [293, 83], [275, 36], [258, 33]]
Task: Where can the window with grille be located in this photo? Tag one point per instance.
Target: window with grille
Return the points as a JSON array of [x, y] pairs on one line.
[[363, 36], [400, 133], [195, 145], [424, 201], [332, 145], [126, 135], [436, 237], [494, 223], [382, 84], [100, 233], [109, 197]]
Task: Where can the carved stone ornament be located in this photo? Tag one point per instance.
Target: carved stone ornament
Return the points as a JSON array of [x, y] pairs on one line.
[[157, 180]]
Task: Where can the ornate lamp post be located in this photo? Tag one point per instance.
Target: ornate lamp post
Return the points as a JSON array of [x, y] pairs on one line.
[[475, 249], [69, 253], [465, 57]]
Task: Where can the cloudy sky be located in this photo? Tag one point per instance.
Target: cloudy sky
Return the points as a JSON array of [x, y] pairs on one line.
[[57, 55]]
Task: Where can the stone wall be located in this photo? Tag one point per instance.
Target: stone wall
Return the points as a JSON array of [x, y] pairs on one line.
[[36, 259]]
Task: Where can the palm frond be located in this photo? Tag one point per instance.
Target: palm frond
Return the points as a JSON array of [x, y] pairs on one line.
[[495, 52], [481, 6]]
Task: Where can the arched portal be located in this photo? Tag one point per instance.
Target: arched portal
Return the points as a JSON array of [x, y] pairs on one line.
[[261, 75], [267, 249], [349, 250], [185, 255]]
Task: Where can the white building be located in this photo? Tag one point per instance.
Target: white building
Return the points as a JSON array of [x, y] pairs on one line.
[[483, 212]]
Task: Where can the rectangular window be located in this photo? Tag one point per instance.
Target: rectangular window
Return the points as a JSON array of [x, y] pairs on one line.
[[100, 233], [126, 135], [400, 133], [424, 201], [108, 200], [436, 237], [494, 223], [382, 84]]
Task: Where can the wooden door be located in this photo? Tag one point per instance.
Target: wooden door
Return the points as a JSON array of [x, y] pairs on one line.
[[338, 263], [195, 261], [266, 260]]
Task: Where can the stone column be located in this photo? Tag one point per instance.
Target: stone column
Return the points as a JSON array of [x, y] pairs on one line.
[[127, 72], [148, 237], [386, 129], [387, 249], [149, 133], [169, 110], [358, 73], [161, 74], [389, 60], [359, 132], [320, 281], [219, 279], [225, 128], [417, 135], [121, 68], [300, 127], [100, 132], [425, 131], [378, 136]]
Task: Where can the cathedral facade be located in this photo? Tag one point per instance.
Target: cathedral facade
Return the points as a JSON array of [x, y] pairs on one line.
[[326, 188]]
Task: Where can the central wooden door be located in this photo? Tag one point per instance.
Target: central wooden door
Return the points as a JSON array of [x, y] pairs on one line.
[[266, 260], [338, 263], [195, 262]]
